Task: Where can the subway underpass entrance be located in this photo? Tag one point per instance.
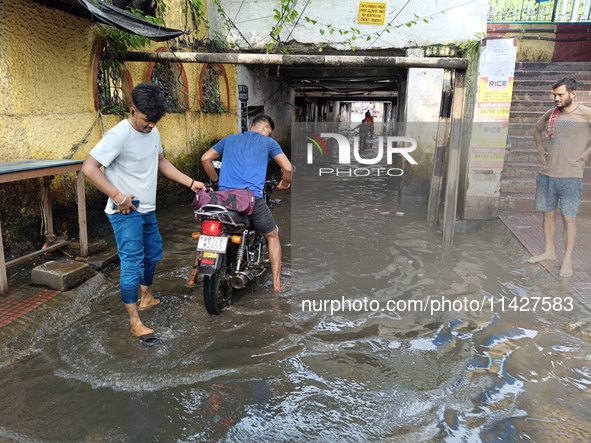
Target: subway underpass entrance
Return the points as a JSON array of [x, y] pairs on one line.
[[325, 75]]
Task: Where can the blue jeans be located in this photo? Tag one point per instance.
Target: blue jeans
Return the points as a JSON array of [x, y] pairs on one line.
[[139, 245]]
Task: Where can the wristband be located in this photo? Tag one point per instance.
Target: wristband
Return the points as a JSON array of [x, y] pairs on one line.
[[115, 195], [192, 183]]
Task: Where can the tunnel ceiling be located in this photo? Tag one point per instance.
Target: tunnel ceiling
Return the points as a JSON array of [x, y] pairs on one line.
[[341, 82]]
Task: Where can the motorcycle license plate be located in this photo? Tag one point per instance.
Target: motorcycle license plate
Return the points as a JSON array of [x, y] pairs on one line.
[[215, 244]]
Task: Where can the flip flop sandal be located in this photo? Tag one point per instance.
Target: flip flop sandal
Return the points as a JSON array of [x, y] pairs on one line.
[[149, 340]]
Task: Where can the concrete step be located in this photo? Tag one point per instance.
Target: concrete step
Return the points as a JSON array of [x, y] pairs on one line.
[[552, 76], [530, 117], [516, 202], [550, 66], [521, 156], [61, 275], [529, 83], [528, 170], [518, 185], [522, 129], [102, 259], [536, 106], [520, 169], [545, 96], [94, 247], [522, 142]]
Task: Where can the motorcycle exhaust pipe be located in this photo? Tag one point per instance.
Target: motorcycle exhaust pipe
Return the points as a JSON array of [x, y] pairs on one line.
[[240, 280]]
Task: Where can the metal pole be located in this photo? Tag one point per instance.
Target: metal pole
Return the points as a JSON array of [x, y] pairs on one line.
[[555, 7]]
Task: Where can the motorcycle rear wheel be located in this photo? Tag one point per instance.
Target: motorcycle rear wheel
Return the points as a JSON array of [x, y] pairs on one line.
[[216, 293]]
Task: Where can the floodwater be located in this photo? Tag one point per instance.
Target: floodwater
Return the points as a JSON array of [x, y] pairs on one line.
[[479, 370]]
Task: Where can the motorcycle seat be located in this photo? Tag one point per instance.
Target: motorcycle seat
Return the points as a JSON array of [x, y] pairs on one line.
[[241, 218]]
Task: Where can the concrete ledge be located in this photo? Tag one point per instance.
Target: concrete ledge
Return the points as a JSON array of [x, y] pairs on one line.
[[102, 259], [94, 247], [61, 275]]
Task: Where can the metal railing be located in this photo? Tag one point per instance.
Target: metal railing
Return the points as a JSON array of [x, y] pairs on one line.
[[533, 11]]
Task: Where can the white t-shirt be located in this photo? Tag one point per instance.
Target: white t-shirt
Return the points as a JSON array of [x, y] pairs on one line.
[[130, 159]]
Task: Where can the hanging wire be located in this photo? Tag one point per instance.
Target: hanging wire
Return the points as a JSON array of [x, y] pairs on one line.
[[298, 20]]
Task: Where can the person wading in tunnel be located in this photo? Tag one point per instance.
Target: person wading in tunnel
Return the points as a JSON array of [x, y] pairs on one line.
[[132, 155], [244, 165], [369, 121], [568, 129]]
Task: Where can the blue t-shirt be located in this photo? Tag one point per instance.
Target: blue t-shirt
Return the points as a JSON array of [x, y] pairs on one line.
[[244, 160]]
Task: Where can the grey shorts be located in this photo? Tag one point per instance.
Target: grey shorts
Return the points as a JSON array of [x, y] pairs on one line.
[[261, 217], [551, 190]]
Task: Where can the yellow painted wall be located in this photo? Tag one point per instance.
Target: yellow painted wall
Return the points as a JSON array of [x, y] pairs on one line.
[[46, 75], [46, 96]]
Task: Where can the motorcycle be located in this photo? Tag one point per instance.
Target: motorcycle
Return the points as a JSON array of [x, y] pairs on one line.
[[230, 252]]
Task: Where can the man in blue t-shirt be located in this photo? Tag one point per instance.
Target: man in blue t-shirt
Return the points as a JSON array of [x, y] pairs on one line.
[[244, 165]]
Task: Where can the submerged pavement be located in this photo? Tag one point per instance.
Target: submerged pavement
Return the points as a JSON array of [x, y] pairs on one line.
[[265, 368], [29, 313]]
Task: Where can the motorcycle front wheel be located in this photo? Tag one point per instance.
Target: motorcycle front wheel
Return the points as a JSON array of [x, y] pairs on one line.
[[216, 293]]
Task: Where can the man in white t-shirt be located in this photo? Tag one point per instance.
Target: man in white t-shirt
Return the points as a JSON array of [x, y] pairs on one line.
[[132, 156]]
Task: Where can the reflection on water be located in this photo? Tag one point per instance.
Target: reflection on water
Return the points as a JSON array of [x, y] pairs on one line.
[[265, 370]]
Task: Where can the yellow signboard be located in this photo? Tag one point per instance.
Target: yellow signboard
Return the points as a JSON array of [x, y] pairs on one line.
[[491, 89], [372, 13], [490, 134]]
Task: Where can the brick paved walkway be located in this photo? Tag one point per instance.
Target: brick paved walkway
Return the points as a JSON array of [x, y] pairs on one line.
[[527, 227], [21, 300], [22, 297]]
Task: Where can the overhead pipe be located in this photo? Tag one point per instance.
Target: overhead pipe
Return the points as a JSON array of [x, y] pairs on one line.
[[298, 60]]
